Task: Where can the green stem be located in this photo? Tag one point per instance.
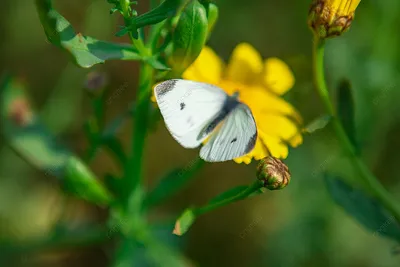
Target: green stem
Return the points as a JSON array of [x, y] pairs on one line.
[[137, 43], [368, 178], [134, 171], [242, 195]]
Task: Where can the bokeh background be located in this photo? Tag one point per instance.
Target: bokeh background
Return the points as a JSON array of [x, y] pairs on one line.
[[298, 226]]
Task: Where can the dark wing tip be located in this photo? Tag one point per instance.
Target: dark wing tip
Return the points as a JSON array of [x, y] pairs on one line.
[[165, 87], [252, 142]]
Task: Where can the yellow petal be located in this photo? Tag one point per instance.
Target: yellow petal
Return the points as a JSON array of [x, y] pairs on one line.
[[245, 65], [277, 76], [279, 126], [277, 148], [261, 101], [207, 68], [246, 159], [259, 152]]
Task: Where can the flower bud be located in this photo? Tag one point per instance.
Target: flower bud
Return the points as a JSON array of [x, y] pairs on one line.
[[189, 36], [273, 173], [20, 112], [95, 82], [329, 18]]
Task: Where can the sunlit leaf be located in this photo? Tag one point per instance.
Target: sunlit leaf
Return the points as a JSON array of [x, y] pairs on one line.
[[86, 51], [365, 209], [317, 124]]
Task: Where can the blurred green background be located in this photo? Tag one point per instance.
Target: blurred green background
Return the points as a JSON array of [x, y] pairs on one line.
[[298, 226]]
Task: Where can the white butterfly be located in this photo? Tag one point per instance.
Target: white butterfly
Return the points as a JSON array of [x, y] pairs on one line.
[[194, 111]]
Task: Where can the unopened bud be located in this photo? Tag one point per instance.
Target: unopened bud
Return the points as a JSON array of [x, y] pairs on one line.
[[329, 18], [95, 82], [273, 173], [189, 37], [20, 112]]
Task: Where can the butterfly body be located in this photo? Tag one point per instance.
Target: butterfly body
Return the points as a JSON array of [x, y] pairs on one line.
[[196, 111]]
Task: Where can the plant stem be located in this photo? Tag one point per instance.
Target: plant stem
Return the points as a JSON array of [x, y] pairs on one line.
[[134, 171], [368, 178], [242, 195]]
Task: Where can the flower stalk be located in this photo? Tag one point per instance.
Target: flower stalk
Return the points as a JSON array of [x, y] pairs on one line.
[[387, 200]]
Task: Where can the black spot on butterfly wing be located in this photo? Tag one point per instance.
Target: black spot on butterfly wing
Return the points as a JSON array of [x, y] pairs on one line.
[[183, 105], [234, 140], [165, 87]]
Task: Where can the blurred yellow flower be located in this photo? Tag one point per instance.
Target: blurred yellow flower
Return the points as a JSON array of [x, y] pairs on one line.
[[260, 84]]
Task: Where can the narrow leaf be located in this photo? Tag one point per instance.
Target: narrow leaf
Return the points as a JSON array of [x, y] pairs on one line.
[[346, 110], [235, 194], [173, 181], [166, 9], [365, 209], [317, 124], [86, 51]]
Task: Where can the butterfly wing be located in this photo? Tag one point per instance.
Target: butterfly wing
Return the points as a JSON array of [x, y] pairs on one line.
[[235, 138], [187, 107]]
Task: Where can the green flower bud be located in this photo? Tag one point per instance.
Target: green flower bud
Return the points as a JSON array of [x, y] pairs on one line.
[[273, 173], [189, 36], [329, 18]]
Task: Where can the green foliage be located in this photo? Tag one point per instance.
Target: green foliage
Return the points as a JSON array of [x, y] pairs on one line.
[[85, 50], [346, 110], [34, 143], [364, 208], [232, 195], [189, 37], [172, 182], [177, 31]]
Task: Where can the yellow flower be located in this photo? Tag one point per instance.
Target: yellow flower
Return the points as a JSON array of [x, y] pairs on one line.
[[331, 17], [260, 84]]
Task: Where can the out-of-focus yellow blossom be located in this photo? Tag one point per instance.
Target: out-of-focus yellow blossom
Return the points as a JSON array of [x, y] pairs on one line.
[[260, 85], [331, 17]]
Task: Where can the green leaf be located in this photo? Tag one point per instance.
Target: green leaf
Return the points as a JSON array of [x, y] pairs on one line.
[[184, 222], [346, 110], [34, 143], [317, 124], [166, 9], [79, 180], [172, 182], [235, 194], [156, 64], [86, 51], [365, 209]]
